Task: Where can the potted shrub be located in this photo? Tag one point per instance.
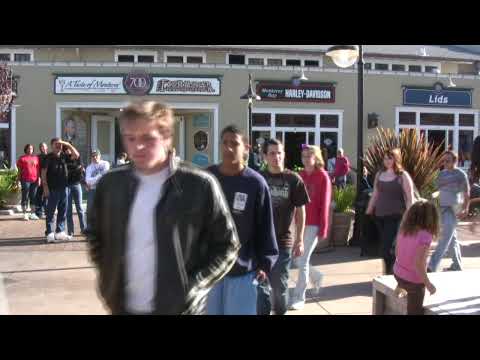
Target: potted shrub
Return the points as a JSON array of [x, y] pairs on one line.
[[10, 192], [343, 215], [420, 158]]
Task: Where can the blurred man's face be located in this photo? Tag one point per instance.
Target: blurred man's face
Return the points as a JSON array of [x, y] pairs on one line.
[[95, 158], [148, 143], [30, 150], [57, 147], [233, 148], [275, 156]]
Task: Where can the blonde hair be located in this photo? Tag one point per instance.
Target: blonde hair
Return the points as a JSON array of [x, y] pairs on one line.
[[150, 111], [396, 156], [422, 215], [317, 153]]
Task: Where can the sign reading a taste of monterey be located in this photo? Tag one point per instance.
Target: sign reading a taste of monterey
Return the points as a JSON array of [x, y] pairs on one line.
[[137, 83], [89, 85]]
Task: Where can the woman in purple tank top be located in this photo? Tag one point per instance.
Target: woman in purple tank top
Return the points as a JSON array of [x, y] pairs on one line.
[[392, 195]]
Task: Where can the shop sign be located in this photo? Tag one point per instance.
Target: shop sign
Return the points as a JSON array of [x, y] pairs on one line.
[[138, 84], [201, 121], [308, 92], [437, 97], [185, 86], [89, 85]]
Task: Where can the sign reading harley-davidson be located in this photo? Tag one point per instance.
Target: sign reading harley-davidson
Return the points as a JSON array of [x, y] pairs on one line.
[[282, 91]]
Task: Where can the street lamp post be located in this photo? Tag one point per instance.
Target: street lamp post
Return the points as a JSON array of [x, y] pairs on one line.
[[345, 56], [250, 95]]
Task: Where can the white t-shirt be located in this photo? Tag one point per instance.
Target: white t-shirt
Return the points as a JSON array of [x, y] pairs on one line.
[[95, 171], [141, 243]]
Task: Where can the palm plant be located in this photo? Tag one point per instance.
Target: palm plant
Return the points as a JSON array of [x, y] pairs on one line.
[[419, 158]]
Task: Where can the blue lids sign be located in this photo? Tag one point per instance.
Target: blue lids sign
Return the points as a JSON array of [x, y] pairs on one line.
[[438, 97]]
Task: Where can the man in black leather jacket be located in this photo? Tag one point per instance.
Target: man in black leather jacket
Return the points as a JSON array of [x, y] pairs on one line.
[[161, 234]]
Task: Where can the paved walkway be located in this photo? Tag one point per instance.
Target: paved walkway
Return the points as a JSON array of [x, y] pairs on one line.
[[40, 278]]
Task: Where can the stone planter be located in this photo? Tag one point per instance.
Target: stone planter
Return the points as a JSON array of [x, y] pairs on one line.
[[12, 200], [342, 228]]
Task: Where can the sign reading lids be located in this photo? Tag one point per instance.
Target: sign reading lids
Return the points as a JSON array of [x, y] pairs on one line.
[[437, 96]]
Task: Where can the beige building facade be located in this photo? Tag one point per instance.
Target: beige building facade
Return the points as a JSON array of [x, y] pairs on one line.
[[78, 92]]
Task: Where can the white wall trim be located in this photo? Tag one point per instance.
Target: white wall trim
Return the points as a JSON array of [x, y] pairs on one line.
[[317, 129], [12, 53], [456, 128], [185, 54], [13, 137], [245, 67], [135, 54]]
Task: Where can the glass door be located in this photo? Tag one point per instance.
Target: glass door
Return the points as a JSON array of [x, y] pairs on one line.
[[103, 136]]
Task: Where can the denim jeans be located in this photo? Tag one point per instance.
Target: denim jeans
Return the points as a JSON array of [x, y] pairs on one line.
[[233, 295], [448, 241], [310, 240], [341, 181], [276, 287], [40, 202], [29, 190], [75, 195], [90, 198], [57, 200], [387, 231]]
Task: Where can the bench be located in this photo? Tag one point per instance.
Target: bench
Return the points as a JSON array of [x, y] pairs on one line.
[[458, 293]]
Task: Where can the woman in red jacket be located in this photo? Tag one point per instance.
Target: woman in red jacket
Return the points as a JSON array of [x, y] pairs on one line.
[[28, 166], [319, 189]]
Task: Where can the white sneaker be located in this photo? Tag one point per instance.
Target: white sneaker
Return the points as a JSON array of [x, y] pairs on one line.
[[25, 216], [61, 236], [34, 217], [51, 238], [299, 305]]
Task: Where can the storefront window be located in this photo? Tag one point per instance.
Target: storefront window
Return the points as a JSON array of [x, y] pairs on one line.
[[4, 147], [465, 145], [466, 120], [294, 120], [437, 119], [261, 119], [407, 118], [329, 121]]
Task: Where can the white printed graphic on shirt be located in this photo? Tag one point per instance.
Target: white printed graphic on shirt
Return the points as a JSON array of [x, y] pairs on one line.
[[240, 201]]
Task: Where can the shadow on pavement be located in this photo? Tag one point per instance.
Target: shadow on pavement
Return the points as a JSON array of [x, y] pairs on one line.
[[338, 256], [471, 250], [29, 241], [343, 291], [44, 270]]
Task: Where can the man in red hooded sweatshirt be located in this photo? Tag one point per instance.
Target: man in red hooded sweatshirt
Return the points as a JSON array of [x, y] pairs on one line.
[[342, 167]]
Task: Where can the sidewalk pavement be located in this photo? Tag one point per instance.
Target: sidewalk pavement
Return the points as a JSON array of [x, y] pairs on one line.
[[41, 279]]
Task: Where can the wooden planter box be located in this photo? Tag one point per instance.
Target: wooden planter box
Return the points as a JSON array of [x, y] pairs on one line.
[[342, 228]]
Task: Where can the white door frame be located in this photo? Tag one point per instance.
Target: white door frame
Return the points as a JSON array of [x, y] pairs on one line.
[[298, 111], [13, 136], [214, 107], [456, 127], [94, 139]]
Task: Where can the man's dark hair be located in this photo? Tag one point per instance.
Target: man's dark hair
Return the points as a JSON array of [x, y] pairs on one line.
[[26, 147], [233, 129], [55, 139], [273, 142]]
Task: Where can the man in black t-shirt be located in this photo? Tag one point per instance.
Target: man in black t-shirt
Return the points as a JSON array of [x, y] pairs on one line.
[[289, 197], [40, 200], [55, 188]]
